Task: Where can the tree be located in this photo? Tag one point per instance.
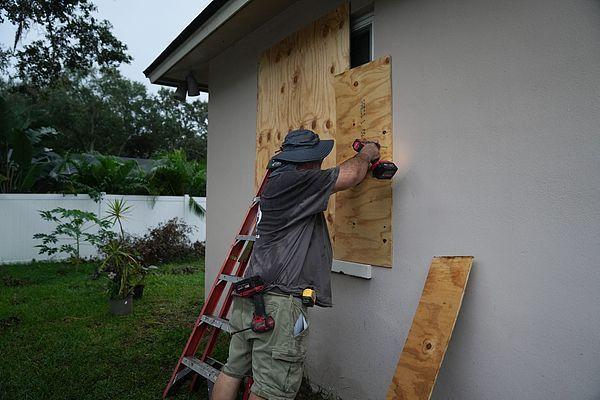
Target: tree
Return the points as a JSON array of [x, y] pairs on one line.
[[71, 38], [107, 113], [179, 125]]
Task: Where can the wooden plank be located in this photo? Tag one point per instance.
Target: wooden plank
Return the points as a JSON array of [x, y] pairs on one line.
[[363, 224], [431, 329], [295, 87]]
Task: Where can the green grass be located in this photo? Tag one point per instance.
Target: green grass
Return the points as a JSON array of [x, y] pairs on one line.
[[58, 340]]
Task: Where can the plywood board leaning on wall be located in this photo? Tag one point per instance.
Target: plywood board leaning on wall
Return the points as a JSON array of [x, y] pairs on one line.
[[363, 215], [431, 329], [295, 87]]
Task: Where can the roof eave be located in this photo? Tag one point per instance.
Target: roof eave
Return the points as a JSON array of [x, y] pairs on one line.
[[219, 25]]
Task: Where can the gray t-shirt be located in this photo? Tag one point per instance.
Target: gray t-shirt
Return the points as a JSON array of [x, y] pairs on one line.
[[293, 250]]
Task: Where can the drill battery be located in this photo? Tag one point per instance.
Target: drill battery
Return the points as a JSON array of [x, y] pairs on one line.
[[248, 286]]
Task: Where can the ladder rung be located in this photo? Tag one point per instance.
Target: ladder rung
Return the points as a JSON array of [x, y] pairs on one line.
[[181, 376], [217, 322], [229, 278], [247, 238], [201, 368]]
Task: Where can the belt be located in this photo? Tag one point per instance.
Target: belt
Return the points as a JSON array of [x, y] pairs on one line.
[[278, 292]]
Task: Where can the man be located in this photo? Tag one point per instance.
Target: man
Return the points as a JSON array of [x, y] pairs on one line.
[[292, 252]]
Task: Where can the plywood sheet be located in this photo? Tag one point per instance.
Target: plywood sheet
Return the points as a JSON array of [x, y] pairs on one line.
[[431, 329], [363, 215], [295, 87]]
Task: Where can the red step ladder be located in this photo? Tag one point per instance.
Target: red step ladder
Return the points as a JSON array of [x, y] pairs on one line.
[[212, 320]]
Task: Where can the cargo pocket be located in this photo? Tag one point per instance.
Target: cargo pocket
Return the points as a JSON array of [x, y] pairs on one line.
[[289, 350], [289, 369]]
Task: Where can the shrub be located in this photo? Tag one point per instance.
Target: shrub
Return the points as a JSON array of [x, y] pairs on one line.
[[73, 227], [105, 174], [167, 242], [175, 175]]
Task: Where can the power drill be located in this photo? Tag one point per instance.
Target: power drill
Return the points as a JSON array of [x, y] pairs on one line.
[[254, 287], [381, 169]]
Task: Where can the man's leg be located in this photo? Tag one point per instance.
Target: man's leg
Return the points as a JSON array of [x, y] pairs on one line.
[[239, 362], [278, 355], [226, 387]]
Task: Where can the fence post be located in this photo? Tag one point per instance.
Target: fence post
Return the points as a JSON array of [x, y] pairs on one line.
[[186, 206], [100, 204]]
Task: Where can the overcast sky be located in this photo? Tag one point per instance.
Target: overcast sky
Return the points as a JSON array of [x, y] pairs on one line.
[[145, 26]]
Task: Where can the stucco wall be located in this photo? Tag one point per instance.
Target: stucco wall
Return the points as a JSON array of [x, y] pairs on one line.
[[496, 131]]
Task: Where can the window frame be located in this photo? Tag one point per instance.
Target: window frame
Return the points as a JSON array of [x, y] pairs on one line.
[[359, 22]]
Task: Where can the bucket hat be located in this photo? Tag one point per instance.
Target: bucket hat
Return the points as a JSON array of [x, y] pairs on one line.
[[303, 145]]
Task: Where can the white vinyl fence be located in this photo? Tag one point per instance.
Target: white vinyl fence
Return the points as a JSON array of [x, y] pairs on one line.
[[20, 219]]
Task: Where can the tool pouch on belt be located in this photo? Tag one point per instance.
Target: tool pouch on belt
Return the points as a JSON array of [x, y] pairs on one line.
[[254, 287]]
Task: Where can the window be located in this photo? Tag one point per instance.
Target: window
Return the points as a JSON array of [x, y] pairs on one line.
[[361, 38]]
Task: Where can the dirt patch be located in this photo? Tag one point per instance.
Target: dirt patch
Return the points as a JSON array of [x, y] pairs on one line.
[[185, 270], [10, 281], [307, 393]]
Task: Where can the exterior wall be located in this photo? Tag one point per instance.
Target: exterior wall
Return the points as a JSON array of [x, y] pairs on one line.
[[496, 115], [20, 219]]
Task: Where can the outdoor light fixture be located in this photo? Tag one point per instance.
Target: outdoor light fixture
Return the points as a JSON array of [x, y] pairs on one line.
[[192, 85], [180, 92]]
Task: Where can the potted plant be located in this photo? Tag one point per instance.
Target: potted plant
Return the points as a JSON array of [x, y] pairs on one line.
[[140, 280], [119, 266]]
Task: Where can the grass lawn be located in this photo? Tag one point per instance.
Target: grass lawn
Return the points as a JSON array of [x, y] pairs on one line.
[[58, 340]]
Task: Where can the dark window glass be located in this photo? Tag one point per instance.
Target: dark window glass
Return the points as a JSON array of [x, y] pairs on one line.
[[360, 46]]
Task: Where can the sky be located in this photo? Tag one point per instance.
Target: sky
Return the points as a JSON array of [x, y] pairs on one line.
[[145, 26]]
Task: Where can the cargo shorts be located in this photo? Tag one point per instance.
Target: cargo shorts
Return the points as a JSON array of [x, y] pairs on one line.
[[275, 358]]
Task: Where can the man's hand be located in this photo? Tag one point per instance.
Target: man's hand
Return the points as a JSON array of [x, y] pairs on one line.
[[371, 149], [354, 170]]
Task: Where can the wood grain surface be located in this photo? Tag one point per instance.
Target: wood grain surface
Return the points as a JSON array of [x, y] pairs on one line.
[[363, 215], [295, 87], [431, 329]]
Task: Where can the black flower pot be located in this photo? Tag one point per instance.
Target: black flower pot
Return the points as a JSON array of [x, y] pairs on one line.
[[121, 306], [138, 291]]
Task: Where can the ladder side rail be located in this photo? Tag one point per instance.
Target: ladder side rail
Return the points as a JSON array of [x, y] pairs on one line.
[[213, 299], [222, 314], [248, 225], [214, 336], [199, 329]]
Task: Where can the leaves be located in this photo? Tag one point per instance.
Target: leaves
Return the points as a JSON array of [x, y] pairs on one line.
[[175, 175], [96, 174], [72, 227], [70, 39], [22, 160]]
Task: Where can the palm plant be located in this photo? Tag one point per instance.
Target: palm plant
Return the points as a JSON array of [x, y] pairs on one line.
[[108, 174], [23, 161], [175, 175], [117, 212], [120, 264]]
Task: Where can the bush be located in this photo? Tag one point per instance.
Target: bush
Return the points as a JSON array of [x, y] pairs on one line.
[[105, 174], [175, 175], [167, 242]]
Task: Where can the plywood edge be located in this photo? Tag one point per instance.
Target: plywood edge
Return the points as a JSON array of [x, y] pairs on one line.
[[431, 330], [469, 259]]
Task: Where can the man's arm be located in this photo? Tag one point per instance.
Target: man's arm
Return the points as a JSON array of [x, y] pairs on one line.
[[354, 170]]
